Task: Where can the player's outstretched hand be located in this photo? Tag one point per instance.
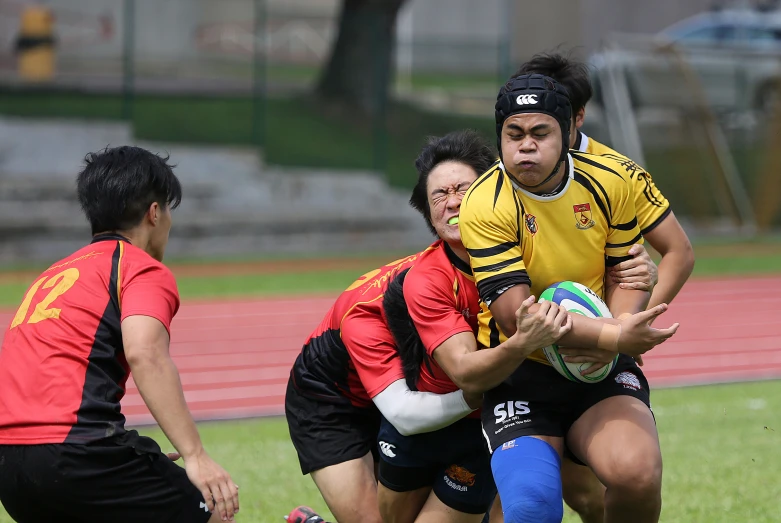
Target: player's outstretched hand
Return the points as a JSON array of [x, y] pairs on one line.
[[541, 329], [637, 273], [219, 491], [637, 336]]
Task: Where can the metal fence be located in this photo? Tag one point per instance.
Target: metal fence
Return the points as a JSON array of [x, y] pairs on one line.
[[242, 72]]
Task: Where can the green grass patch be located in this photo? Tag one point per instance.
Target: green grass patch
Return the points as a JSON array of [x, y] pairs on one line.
[[299, 132], [268, 284], [738, 265], [720, 446]]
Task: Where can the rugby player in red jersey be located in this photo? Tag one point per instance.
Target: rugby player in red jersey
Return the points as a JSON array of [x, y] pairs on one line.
[[83, 326], [348, 373]]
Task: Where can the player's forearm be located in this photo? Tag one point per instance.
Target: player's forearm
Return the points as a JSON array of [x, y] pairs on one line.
[[483, 370], [412, 412], [621, 301], [586, 332], [158, 383], [674, 269]]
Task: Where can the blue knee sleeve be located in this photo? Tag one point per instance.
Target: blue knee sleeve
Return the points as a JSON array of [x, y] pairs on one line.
[[527, 472]]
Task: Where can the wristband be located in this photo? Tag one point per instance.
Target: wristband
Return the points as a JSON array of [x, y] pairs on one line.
[[608, 337]]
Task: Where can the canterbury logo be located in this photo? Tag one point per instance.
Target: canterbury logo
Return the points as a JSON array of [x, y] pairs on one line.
[[387, 449], [526, 99]]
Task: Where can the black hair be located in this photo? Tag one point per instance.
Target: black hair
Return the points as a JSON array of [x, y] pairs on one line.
[[117, 186], [571, 73], [465, 146], [408, 343]]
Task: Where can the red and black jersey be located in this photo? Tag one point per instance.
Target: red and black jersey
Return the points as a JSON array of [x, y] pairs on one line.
[[62, 363], [442, 301], [351, 356]]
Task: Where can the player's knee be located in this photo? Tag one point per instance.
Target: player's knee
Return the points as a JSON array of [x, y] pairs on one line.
[[636, 474], [527, 475]]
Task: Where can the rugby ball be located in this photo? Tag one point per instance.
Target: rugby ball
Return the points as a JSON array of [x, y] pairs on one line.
[[577, 299]]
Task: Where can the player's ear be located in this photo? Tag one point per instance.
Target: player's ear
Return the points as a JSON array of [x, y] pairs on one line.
[[153, 213]]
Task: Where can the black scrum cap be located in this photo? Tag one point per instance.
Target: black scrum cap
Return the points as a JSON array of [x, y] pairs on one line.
[[534, 93]]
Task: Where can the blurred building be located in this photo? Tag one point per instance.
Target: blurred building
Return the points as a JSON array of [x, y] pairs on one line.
[[528, 27]]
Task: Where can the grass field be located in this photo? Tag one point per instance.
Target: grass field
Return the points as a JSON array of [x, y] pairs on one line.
[[722, 449], [721, 446]]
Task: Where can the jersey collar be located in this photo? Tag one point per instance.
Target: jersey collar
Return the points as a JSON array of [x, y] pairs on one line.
[[457, 262], [553, 197], [108, 236], [581, 143]]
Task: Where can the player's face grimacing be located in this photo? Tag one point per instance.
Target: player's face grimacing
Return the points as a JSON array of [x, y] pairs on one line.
[[446, 186], [531, 147]]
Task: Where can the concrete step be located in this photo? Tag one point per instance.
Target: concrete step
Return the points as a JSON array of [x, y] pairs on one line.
[[25, 189]]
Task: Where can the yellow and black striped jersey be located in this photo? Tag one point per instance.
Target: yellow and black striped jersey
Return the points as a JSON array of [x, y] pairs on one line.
[[650, 204], [515, 237]]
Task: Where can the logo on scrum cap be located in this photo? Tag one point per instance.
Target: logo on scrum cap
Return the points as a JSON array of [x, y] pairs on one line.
[[526, 99]]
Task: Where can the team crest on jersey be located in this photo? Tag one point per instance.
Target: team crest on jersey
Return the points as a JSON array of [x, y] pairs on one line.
[[531, 223], [583, 218]]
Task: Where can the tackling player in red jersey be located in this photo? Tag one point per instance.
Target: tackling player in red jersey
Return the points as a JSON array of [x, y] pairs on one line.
[[83, 326], [346, 367], [347, 376]]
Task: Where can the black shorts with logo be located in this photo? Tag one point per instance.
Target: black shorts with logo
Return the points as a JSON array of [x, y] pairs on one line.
[[122, 479], [538, 401], [327, 433], [454, 461]]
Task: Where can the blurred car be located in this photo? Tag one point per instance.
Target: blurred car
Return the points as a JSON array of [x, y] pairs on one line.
[[736, 53]]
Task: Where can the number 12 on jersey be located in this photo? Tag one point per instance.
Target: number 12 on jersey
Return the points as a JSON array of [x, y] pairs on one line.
[[59, 285]]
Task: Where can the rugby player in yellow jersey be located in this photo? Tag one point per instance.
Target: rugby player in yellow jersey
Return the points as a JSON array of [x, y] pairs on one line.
[[656, 219], [659, 226], [540, 216]]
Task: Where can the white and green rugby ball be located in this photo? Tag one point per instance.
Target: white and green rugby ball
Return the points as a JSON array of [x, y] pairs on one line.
[[578, 299]]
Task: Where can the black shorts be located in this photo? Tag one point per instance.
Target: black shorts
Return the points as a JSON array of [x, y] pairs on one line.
[[326, 433], [454, 461], [538, 401], [123, 479]]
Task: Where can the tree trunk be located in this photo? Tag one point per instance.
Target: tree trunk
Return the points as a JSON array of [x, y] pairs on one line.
[[359, 71]]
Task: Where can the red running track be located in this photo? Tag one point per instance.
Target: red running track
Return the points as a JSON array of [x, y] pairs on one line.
[[234, 356]]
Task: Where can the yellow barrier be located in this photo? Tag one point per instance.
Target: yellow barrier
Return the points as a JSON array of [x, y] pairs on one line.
[[35, 44]]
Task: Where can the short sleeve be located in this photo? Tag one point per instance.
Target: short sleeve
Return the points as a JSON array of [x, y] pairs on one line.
[[651, 205], [372, 350], [490, 225], [624, 230], [433, 307], [150, 291]]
